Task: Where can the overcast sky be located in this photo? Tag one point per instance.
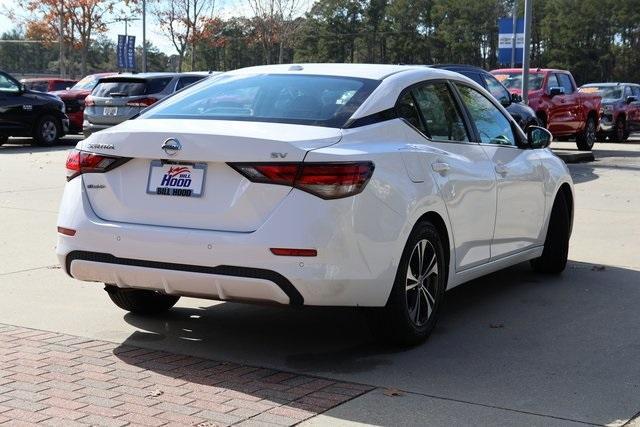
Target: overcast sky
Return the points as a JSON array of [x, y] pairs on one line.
[[224, 8]]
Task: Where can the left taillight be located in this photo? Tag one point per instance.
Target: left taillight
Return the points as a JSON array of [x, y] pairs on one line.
[[79, 162], [325, 180]]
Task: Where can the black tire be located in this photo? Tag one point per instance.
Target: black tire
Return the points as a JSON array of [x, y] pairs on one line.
[[47, 131], [586, 138], [556, 246], [140, 301], [564, 138], [619, 131], [403, 320], [3, 139]]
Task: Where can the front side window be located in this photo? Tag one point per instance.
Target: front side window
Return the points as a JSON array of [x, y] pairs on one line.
[[552, 81], [279, 98], [493, 127], [566, 83], [8, 85], [441, 117]]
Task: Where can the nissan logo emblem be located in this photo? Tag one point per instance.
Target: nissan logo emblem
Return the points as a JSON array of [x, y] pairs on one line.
[[171, 146]]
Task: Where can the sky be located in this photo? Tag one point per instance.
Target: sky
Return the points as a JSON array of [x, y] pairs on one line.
[[223, 8]]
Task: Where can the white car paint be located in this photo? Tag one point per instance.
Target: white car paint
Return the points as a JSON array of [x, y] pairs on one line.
[[492, 221]]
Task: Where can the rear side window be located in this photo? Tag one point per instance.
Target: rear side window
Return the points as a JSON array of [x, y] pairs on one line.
[[129, 87], [280, 98], [186, 81], [408, 110], [441, 117]]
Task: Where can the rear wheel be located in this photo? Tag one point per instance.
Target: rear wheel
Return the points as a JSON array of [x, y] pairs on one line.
[[586, 138], [418, 291], [556, 246], [141, 301], [47, 131]]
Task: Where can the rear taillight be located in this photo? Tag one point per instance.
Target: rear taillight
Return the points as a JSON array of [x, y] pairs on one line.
[[79, 162], [143, 102], [89, 102], [325, 180]]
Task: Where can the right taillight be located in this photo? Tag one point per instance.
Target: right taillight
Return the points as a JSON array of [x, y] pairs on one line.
[[325, 180], [79, 162]]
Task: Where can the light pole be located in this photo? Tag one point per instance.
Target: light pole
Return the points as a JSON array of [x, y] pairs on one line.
[[514, 17], [61, 41], [528, 11], [144, 36]]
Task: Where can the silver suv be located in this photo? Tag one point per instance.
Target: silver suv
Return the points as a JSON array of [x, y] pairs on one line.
[[120, 97]]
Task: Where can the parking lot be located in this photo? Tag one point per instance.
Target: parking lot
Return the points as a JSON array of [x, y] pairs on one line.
[[512, 348]]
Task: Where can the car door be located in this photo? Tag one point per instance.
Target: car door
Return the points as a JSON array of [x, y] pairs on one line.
[[559, 120], [571, 102], [634, 110], [12, 106], [440, 136], [519, 175]]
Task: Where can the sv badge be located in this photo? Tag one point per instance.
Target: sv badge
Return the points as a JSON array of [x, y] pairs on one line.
[[278, 155]]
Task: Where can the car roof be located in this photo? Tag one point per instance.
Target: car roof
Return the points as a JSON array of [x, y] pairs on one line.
[[363, 71], [46, 79], [609, 84], [531, 70], [452, 67], [142, 75]]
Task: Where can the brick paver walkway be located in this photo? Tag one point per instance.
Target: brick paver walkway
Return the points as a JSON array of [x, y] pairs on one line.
[[56, 379]]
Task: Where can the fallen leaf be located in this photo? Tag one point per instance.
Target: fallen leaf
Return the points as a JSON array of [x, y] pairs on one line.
[[155, 393]]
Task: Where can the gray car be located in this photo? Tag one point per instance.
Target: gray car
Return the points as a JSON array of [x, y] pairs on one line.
[[120, 97]]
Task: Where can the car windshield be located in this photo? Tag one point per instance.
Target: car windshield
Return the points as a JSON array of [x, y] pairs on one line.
[[281, 98], [87, 83], [606, 92], [514, 80]]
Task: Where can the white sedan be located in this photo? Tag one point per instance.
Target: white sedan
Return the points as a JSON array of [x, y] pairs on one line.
[[315, 184]]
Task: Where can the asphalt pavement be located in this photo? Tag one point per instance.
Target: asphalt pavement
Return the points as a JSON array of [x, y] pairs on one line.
[[511, 348]]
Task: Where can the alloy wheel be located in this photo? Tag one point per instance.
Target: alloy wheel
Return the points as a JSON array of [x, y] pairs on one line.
[[49, 131], [422, 282]]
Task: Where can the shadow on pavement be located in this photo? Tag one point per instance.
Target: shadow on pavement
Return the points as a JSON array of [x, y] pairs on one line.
[[564, 346], [25, 145]]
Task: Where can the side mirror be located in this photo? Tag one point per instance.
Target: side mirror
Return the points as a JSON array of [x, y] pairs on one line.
[[505, 102], [631, 99], [538, 137], [516, 98], [556, 90]]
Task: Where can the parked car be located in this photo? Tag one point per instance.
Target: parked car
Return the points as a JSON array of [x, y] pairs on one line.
[[554, 97], [25, 112], [523, 114], [620, 110], [359, 185], [46, 84], [118, 98], [74, 98]]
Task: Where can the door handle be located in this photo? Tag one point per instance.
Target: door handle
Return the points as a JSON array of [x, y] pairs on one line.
[[440, 167], [501, 169]]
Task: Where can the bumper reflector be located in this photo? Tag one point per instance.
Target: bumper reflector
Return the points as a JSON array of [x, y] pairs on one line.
[[66, 231], [294, 252]]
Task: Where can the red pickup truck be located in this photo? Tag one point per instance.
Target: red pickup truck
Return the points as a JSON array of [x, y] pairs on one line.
[[554, 97]]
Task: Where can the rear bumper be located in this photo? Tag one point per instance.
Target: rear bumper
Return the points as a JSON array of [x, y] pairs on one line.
[[348, 271]]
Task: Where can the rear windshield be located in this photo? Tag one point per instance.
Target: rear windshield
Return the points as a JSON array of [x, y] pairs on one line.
[[606, 92], [514, 80], [281, 98], [129, 87]]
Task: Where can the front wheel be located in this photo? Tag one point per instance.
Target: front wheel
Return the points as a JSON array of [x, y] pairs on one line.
[[586, 138], [140, 301], [619, 131], [47, 131], [416, 298]]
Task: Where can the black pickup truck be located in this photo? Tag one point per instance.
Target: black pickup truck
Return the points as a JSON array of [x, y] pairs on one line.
[[25, 112]]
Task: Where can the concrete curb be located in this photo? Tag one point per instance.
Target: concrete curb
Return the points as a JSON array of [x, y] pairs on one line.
[[569, 156]]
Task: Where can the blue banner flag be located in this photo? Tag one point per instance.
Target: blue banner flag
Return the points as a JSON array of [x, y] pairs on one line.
[[120, 51], [131, 53], [505, 41]]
